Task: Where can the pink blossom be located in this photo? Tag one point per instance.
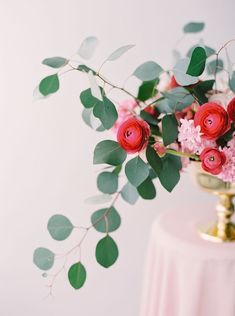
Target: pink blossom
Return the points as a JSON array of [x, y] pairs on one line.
[[125, 111], [190, 138], [228, 169]]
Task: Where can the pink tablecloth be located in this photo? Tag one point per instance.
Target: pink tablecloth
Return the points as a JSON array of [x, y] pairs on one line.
[[185, 275]]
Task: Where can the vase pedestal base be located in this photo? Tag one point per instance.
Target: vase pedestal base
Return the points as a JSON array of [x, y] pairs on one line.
[[213, 233]]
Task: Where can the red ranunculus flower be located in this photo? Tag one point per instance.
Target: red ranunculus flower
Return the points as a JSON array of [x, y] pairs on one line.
[[213, 120], [133, 135], [212, 160], [231, 110]]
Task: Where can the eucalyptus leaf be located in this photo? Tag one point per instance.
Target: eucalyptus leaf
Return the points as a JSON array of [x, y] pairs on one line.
[[232, 82], [180, 98], [88, 47], [136, 171], [92, 121], [55, 62], [59, 227], [99, 199], [194, 27], [43, 258], [49, 85], [170, 175], [215, 66], [87, 99], [106, 220], [107, 182], [119, 52], [77, 275], [154, 160], [148, 71], [106, 112], [95, 89], [197, 62], [169, 129], [129, 193], [180, 74], [106, 252], [110, 152], [147, 189]]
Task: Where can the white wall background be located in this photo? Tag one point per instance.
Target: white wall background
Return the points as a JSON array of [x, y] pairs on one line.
[[46, 150]]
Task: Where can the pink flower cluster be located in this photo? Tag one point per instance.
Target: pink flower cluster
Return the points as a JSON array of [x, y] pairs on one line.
[[228, 169], [190, 138]]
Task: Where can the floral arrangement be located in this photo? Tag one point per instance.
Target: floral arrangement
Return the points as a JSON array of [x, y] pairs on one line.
[[174, 117]]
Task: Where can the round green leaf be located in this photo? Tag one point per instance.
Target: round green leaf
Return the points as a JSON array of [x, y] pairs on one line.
[[154, 160], [55, 62], [106, 223], [49, 85], [110, 152], [107, 182], [99, 199], [87, 99], [59, 227], [232, 82], [92, 121], [129, 193], [194, 27], [148, 71], [197, 62], [169, 129], [43, 258], [214, 66], [106, 252], [136, 171], [77, 275], [88, 47], [106, 112], [180, 74], [147, 189]]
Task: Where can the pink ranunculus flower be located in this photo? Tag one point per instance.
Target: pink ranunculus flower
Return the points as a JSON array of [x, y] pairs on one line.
[[125, 111]]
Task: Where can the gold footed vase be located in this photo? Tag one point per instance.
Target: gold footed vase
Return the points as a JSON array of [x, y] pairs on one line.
[[223, 230]]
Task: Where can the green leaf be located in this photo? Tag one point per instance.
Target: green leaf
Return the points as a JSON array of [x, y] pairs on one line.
[[106, 112], [136, 171], [85, 69], [106, 220], [180, 74], [107, 182], [201, 89], [110, 152], [147, 90], [106, 252], [59, 227], [170, 175], [95, 89], [197, 62], [92, 121], [87, 99], [149, 118], [154, 160], [209, 51], [77, 275], [169, 129], [49, 85], [232, 82], [148, 71], [179, 98], [129, 193], [213, 67], [99, 199], [119, 52], [55, 62], [194, 27], [117, 170], [43, 258], [147, 189], [88, 47]]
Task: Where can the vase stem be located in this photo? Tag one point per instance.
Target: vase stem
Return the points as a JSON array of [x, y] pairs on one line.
[[225, 210]]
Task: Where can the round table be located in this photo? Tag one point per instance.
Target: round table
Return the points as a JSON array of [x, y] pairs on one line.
[[186, 275]]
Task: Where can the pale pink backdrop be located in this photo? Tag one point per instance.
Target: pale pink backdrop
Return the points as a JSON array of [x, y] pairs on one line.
[[46, 150]]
